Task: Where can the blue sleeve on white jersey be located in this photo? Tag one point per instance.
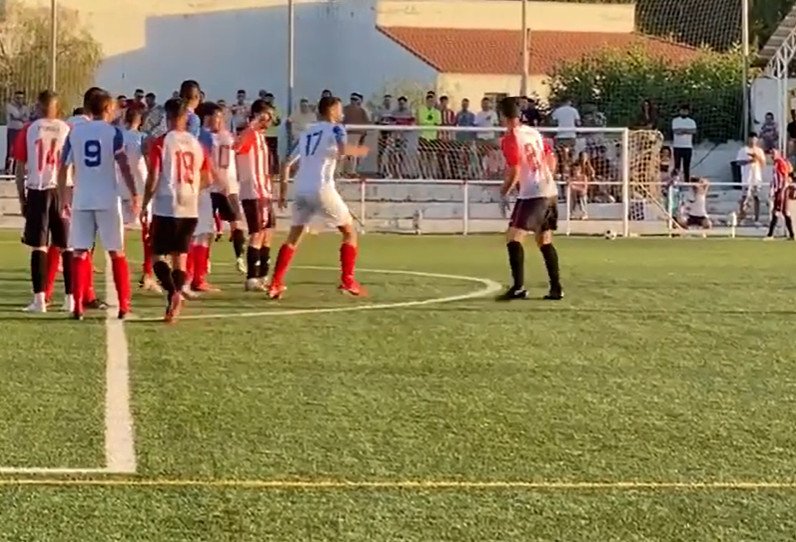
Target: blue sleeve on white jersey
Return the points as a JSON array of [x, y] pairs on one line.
[[194, 126], [339, 134], [118, 140], [66, 153], [206, 139]]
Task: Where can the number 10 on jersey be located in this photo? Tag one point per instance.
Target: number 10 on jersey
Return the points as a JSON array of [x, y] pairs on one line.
[[184, 166]]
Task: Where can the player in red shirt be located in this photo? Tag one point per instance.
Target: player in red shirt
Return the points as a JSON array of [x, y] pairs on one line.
[[530, 163], [780, 190]]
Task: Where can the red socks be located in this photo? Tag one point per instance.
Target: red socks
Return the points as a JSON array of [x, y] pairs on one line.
[[201, 258], [121, 278], [53, 258], [348, 260], [286, 253], [190, 263], [88, 293], [148, 270], [81, 270]]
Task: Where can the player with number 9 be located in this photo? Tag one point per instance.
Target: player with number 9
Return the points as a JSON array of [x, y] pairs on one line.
[[179, 169], [94, 149]]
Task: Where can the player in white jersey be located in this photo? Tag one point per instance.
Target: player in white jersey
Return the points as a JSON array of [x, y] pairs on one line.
[[94, 148], [317, 152], [133, 148], [37, 151], [79, 116], [530, 162], [252, 158], [178, 171], [224, 194]]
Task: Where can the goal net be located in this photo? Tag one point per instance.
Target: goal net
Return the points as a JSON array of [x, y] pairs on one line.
[[447, 180]]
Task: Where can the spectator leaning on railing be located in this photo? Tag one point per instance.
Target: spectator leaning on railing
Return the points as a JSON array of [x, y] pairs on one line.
[[465, 117], [486, 118], [684, 128], [769, 133], [240, 112], [17, 114]]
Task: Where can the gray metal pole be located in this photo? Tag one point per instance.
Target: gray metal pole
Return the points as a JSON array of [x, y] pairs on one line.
[[291, 53], [745, 74], [525, 51], [53, 42]]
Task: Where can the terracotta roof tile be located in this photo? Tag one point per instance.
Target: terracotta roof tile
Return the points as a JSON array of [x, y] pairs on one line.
[[455, 50]]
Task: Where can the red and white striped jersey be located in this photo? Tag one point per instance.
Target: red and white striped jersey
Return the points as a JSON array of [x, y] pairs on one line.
[[782, 169], [178, 160], [525, 147], [252, 162], [39, 145]]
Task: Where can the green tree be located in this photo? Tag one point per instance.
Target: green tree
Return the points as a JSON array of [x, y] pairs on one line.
[[25, 53], [617, 81]]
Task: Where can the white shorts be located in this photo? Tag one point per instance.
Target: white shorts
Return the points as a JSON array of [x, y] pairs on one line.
[[86, 224], [205, 225], [326, 204]]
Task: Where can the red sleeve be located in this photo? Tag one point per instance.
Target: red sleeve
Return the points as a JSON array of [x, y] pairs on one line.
[[245, 142], [156, 154], [511, 149], [782, 167], [205, 161], [20, 150], [548, 146]]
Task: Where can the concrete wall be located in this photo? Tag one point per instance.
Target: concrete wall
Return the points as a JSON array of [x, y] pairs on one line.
[[506, 14]]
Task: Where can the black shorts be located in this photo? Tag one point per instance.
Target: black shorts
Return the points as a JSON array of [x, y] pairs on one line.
[[44, 224], [273, 152], [701, 221], [227, 206], [259, 214], [536, 214], [171, 235]]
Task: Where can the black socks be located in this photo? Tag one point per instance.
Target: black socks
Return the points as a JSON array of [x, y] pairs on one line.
[[516, 263], [551, 263], [252, 262], [163, 273], [38, 270], [238, 240], [66, 262], [265, 261]]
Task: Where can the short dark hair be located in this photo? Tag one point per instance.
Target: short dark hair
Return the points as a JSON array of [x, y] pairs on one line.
[[131, 114], [19, 92], [509, 108], [150, 95], [138, 91], [685, 107], [326, 103], [207, 109], [89, 94], [443, 98], [258, 107], [46, 97], [78, 111], [241, 91], [175, 108], [99, 101], [189, 90], [121, 97], [752, 134]]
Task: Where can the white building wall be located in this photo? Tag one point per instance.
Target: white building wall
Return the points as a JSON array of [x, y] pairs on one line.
[[231, 44]]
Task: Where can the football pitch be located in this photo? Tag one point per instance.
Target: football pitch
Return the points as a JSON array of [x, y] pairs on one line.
[[656, 402]]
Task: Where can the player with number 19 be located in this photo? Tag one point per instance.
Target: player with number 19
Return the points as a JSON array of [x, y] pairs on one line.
[[94, 149], [179, 169]]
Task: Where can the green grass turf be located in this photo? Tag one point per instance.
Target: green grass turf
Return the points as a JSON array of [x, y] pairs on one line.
[[52, 376], [670, 360]]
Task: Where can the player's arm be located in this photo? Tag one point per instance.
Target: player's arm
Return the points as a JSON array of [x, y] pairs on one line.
[[287, 170], [206, 177], [344, 148], [511, 153], [124, 168], [63, 172], [153, 174]]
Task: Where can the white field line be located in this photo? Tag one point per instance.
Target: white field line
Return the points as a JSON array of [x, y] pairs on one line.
[[489, 287], [119, 442]]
